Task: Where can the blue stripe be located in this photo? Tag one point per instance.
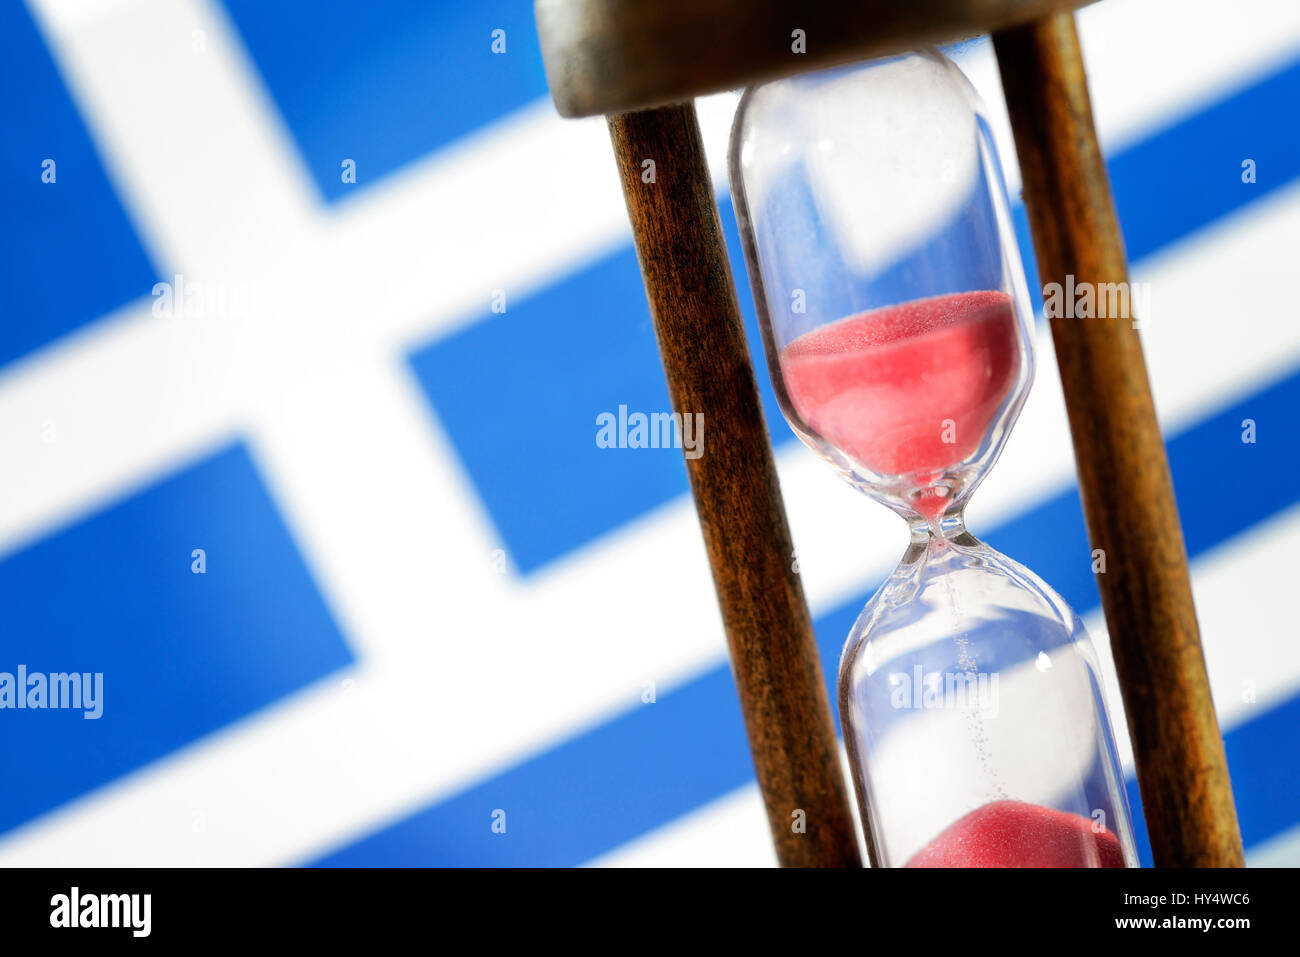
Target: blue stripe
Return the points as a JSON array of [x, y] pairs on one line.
[[615, 783], [69, 253], [1265, 763], [1186, 177], [385, 82], [182, 654], [519, 393]]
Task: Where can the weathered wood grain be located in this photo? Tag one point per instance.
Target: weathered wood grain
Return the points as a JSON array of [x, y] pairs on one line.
[[706, 360], [1124, 480]]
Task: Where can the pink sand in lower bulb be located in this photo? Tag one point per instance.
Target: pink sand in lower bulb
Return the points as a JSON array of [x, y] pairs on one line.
[[911, 388], [1016, 834]]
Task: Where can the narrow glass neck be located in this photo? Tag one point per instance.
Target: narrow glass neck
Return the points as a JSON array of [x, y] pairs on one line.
[[950, 526]]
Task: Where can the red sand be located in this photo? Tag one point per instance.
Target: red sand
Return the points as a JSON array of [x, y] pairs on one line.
[[1015, 834], [879, 385]]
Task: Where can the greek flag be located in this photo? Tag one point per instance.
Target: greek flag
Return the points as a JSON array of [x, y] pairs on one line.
[[308, 314]]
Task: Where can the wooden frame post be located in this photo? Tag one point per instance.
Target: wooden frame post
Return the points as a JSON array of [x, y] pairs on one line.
[[706, 360], [1124, 481]]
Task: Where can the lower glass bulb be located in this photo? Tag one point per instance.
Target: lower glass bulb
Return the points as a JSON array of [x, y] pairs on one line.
[[974, 719]]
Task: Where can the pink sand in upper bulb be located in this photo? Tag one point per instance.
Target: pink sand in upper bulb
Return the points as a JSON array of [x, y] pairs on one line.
[[1016, 834], [881, 386]]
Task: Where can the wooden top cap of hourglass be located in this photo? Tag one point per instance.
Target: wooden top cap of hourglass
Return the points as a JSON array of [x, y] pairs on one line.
[[613, 56]]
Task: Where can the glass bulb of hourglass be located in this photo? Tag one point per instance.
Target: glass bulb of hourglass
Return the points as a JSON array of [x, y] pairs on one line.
[[897, 327]]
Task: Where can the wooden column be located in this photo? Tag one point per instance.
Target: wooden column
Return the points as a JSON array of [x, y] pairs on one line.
[[706, 360], [1128, 497]]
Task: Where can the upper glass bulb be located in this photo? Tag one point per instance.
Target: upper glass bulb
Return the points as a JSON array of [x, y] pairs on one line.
[[894, 308]]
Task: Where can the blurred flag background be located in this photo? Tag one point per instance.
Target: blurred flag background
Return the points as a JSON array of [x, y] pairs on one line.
[[308, 311]]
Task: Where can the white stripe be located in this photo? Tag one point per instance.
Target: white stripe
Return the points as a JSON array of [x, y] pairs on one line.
[[1252, 663]]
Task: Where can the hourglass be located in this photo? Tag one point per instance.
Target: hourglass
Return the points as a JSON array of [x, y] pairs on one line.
[[898, 333], [896, 328]]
